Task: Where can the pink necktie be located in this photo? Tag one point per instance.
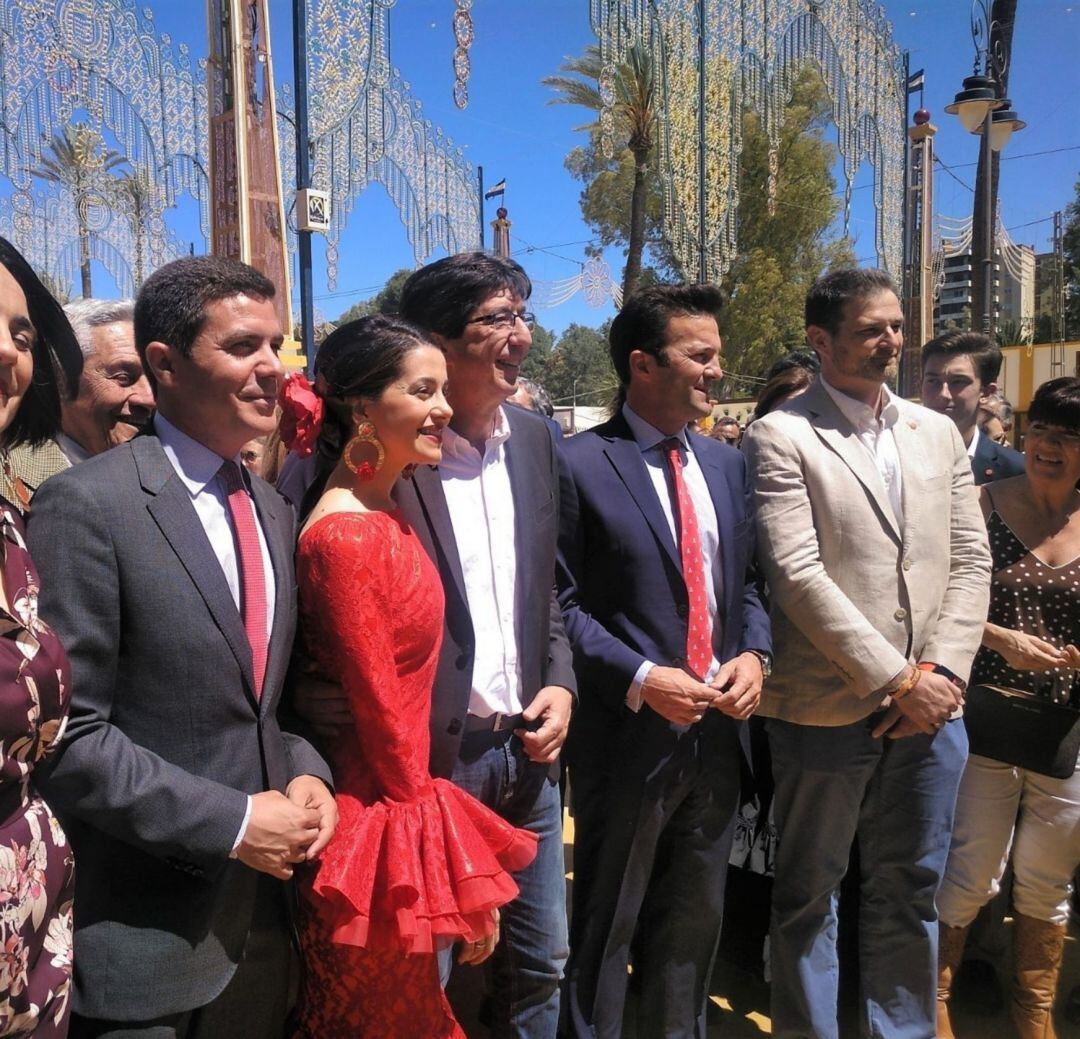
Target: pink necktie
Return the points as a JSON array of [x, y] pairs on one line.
[[699, 628], [252, 575]]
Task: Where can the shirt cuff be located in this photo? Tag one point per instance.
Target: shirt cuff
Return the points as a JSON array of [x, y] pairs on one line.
[[633, 696], [242, 830]]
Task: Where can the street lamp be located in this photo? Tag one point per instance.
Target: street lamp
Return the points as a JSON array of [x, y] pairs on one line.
[[982, 110]]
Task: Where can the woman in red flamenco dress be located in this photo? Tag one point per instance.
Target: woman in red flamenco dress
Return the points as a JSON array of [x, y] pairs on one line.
[[416, 863]]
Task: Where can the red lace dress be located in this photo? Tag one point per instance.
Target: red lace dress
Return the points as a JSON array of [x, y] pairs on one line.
[[416, 862]]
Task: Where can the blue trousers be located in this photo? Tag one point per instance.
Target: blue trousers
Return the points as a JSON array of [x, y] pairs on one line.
[[527, 965], [897, 797]]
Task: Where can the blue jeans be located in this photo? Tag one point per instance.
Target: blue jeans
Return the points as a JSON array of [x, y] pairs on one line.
[[897, 797], [527, 965]]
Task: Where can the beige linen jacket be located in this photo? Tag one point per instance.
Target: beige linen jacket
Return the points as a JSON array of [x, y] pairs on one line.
[[854, 597]]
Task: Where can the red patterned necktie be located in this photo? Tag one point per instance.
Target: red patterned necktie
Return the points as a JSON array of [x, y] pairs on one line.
[[699, 627], [252, 574]]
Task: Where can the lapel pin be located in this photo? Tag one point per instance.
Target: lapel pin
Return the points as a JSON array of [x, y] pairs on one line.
[[988, 472]]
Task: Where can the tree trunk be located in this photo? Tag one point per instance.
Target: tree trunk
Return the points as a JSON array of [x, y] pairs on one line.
[[636, 244], [1002, 17]]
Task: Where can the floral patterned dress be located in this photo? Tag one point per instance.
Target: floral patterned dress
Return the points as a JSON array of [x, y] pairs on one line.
[[37, 869]]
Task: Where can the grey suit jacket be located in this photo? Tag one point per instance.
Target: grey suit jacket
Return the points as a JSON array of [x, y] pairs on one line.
[[166, 737], [543, 650], [854, 596]]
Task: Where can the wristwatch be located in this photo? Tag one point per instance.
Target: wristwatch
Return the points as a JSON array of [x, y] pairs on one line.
[[765, 659]]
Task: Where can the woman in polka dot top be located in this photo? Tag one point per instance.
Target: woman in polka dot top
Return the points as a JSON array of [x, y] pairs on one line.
[[1030, 643]]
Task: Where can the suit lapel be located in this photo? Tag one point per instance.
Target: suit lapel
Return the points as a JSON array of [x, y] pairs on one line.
[[277, 530], [726, 509], [838, 433], [625, 457], [439, 537], [172, 510], [914, 465], [525, 489]]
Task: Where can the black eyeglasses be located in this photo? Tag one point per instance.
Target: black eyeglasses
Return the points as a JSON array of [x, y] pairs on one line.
[[504, 319]]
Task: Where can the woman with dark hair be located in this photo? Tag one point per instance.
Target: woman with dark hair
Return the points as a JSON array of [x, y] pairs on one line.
[[416, 862], [787, 383], [37, 872], [1029, 644]]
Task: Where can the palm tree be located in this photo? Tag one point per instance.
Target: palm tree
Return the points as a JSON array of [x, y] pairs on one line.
[[634, 111], [136, 197], [77, 157]]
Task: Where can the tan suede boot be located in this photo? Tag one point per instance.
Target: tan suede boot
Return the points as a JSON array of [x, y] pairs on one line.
[[950, 950], [1037, 951]]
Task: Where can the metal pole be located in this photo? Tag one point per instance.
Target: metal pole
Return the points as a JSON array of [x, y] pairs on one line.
[[701, 143], [303, 178], [480, 195], [988, 206]]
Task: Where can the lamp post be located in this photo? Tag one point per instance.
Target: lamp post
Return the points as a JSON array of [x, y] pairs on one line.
[[982, 110]]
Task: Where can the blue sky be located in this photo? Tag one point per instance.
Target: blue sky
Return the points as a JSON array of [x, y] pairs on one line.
[[510, 130]]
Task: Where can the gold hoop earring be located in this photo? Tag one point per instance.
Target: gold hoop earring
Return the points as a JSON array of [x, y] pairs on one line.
[[365, 434]]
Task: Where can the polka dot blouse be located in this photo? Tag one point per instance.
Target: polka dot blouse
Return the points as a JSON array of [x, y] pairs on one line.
[[1028, 595]]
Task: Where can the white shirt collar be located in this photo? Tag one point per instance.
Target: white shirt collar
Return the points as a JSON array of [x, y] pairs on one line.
[[195, 464], [861, 415], [646, 434], [457, 445], [974, 443], [73, 451]]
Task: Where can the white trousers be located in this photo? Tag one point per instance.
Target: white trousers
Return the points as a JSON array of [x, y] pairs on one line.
[[1001, 805]]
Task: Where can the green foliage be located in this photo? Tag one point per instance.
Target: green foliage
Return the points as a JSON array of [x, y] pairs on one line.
[[539, 355], [385, 301], [581, 356], [1071, 249], [781, 254]]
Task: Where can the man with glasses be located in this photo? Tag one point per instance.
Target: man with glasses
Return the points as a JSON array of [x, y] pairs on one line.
[[488, 517]]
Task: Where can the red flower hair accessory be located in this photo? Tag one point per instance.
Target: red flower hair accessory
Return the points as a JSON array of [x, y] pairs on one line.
[[302, 411]]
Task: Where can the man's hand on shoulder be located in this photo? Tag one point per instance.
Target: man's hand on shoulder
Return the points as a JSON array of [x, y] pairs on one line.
[[552, 706], [676, 696], [312, 792], [738, 683], [278, 834]]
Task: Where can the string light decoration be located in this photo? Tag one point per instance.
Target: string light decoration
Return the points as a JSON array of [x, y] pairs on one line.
[[594, 280], [96, 66], [366, 127], [718, 58]]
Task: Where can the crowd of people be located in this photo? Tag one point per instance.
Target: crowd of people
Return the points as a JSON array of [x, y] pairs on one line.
[[277, 762]]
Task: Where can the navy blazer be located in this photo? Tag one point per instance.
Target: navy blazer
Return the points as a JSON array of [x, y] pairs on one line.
[[620, 578], [993, 461], [543, 652]]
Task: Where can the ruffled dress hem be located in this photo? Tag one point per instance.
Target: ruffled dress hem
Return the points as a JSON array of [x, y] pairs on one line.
[[419, 874]]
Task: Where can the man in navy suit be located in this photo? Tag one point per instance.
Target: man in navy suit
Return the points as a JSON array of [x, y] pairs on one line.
[[960, 369], [671, 643]]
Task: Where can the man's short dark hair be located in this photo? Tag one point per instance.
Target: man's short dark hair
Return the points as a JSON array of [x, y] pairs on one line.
[[171, 306], [441, 296], [831, 292], [985, 354], [643, 321]]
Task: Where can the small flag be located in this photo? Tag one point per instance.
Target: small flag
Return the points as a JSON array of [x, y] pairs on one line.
[[916, 81], [498, 189]]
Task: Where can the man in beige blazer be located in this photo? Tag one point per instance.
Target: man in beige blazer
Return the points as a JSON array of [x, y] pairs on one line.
[[876, 558]]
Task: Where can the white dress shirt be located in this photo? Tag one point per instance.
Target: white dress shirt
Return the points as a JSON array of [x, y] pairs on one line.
[[974, 443], [197, 466], [875, 432], [479, 498], [650, 440]]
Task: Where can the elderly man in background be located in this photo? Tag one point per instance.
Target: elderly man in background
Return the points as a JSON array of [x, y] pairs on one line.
[[878, 567], [112, 402]]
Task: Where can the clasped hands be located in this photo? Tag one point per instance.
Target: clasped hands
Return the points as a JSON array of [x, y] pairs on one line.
[[285, 829], [683, 700], [925, 708]]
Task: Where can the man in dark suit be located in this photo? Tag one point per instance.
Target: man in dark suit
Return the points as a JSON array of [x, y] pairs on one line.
[[169, 577], [960, 369], [661, 603], [503, 690]]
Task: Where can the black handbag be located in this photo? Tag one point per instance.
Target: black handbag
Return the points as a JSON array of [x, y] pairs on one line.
[[1020, 728]]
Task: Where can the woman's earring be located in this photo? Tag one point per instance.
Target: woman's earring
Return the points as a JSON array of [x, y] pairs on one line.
[[365, 435]]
